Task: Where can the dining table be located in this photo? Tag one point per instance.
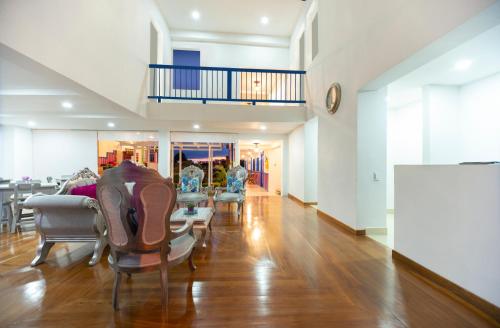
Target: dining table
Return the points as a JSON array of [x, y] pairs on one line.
[[7, 190]]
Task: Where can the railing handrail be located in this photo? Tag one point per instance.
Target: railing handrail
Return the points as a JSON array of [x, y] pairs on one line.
[[228, 69]]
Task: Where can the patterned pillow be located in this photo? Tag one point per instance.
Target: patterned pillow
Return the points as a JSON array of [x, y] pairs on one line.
[[79, 183], [234, 184], [190, 184]]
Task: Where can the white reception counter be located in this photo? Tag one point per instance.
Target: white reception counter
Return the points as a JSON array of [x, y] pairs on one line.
[[447, 219]]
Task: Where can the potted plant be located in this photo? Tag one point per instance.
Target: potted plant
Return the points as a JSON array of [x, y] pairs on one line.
[[190, 208]]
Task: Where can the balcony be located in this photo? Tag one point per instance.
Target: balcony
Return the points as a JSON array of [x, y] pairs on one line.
[[222, 84]]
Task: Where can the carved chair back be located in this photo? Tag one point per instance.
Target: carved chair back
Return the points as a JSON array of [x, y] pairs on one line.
[[136, 203], [238, 173], [188, 174]]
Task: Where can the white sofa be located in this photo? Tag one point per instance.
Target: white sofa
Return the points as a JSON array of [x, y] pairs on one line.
[[68, 218]]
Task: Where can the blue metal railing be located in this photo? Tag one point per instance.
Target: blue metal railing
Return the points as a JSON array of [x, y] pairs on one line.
[[226, 84]]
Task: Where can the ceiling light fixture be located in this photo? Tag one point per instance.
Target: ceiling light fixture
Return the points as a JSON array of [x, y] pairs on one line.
[[196, 126], [67, 105], [263, 127], [151, 137], [264, 20], [111, 125], [195, 15], [463, 65], [31, 123]]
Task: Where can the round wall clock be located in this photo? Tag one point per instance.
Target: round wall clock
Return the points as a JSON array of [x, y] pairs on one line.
[[333, 98]]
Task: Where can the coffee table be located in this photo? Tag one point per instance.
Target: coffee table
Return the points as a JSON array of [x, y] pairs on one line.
[[202, 220]]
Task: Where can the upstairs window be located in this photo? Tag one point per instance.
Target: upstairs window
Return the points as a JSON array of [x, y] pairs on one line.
[[186, 79]]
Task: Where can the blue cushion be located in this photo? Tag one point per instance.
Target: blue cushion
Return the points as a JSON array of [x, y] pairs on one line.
[[234, 184], [190, 184]]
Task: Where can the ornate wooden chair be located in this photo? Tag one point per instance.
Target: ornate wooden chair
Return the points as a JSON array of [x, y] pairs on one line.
[[190, 188], [137, 204], [235, 190]]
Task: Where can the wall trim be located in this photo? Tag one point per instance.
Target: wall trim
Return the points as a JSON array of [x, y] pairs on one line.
[[484, 308], [300, 201], [341, 224]]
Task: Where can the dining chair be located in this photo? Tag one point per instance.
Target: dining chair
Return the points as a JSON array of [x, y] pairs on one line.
[[137, 203], [5, 209], [22, 190]]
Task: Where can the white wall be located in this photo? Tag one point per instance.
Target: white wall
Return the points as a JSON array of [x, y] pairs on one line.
[[311, 160], [450, 224], [354, 52], [296, 163], [480, 120], [404, 141], [441, 127], [15, 152], [57, 153], [274, 157], [73, 38], [233, 55]]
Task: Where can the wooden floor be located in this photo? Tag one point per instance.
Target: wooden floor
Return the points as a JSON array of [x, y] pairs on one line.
[[280, 266]]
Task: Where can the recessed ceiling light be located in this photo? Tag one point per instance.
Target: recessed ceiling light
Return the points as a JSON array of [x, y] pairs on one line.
[[463, 65], [111, 125], [67, 105], [31, 123], [264, 20], [195, 14], [151, 137], [196, 126], [263, 127]]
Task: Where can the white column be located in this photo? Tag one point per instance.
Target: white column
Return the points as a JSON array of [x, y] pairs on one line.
[[164, 153], [236, 150], [371, 161]]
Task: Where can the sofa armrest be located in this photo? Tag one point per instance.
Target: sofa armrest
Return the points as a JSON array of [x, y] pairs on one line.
[[60, 201]]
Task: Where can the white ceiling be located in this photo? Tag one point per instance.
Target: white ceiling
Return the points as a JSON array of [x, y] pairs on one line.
[[28, 89], [483, 51], [233, 16]]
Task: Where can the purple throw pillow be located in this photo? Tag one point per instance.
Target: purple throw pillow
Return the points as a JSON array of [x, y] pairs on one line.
[[89, 191]]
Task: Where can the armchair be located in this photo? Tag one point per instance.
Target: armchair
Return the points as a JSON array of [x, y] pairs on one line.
[[137, 204], [235, 190], [191, 189], [63, 217]]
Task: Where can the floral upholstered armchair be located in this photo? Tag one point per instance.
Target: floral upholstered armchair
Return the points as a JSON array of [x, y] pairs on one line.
[[235, 190], [71, 215], [190, 189]]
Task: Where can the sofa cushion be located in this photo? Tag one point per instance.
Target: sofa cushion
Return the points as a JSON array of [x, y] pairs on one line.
[[88, 190]]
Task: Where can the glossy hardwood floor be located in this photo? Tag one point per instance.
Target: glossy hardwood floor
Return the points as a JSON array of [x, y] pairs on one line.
[[280, 266]]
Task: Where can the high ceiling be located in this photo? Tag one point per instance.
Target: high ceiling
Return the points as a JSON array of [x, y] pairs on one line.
[[481, 56], [233, 16]]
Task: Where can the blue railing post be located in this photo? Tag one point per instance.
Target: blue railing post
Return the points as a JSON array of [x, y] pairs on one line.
[[229, 84]]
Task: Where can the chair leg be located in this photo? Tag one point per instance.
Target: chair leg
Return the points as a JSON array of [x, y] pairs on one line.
[[99, 247], [116, 289], [42, 251], [239, 210], [164, 284], [192, 266], [16, 214]]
